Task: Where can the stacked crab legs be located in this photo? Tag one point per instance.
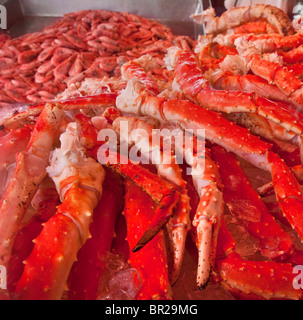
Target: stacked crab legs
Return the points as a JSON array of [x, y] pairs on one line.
[[220, 131], [74, 172], [272, 119], [78, 179]]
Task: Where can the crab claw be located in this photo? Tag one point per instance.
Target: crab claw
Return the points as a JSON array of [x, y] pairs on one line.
[[164, 193], [150, 261], [161, 191]]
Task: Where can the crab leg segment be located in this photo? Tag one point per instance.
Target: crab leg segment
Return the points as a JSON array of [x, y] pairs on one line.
[[22, 118], [280, 76], [288, 192], [44, 203], [160, 191], [30, 171], [207, 219], [102, 99], [248, 83], [79, 183], [87, 271], [134, 69], [265, 279], [240, 15], [194, 85]]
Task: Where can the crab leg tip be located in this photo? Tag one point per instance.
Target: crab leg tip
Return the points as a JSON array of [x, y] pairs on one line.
[[147, 237], [137, 247], [202, 286]]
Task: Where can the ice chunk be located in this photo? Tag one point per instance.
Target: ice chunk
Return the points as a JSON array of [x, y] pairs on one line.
[[121, 281], [123, 285], [246, 245]]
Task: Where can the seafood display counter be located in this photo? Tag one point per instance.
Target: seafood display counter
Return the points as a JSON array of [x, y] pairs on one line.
[[152, 152], [32, 16]]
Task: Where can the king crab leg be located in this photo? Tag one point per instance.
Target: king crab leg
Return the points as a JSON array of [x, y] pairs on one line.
[[30, 171], [277, 74], [43, 206], [87, 272], [207, 219], [134, 69], [45, 278], [198, 89], [87, 102]]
